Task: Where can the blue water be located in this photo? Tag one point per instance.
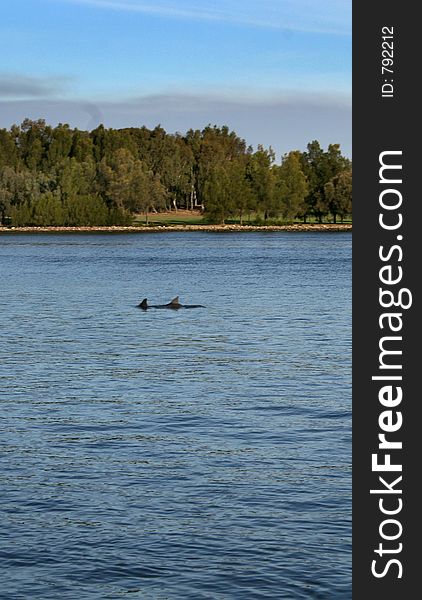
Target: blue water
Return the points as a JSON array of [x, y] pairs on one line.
[[192, 454]]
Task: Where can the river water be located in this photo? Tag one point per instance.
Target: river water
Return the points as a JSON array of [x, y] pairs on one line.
[[192, 454]]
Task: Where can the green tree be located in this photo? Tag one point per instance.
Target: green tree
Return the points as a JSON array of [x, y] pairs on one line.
[[32, 139], [218, 202], [262, 180], [338, 192], [319, 167], [82, 148], [212, 148], [291, 186], [47, 210], [60, 145], [7, 176], [155, 196], [239, 188], [120, 174], [129, 186], [8, 149]]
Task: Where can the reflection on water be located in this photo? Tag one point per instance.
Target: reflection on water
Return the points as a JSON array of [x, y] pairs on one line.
[[176, 454]]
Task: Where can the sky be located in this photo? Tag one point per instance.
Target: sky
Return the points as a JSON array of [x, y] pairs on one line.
[[278, 72]]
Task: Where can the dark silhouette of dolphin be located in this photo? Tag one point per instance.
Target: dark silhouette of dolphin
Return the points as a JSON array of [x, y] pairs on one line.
[[173, 304]]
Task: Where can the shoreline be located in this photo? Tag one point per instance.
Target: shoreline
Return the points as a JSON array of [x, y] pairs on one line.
[[320, 227]]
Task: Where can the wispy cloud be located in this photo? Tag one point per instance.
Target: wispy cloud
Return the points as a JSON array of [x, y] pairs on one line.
[[191, 102], [328, 17], [13, 85]]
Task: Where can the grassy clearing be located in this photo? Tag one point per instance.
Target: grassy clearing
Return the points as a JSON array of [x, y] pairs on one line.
[[180, 217], [187, 217]]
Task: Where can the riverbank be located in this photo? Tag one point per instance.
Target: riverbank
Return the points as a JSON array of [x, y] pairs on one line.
[[325, 227]]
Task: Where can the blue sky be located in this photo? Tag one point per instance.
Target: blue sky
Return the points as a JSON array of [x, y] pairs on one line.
[[276, 71]]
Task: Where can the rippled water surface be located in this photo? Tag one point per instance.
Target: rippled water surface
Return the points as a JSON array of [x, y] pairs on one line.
[[192, 454]]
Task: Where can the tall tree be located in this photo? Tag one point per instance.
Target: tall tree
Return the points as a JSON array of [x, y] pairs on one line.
[[291, 187], [338, 192], [262, 180], [218, 202], [319, 167], [239, 188]]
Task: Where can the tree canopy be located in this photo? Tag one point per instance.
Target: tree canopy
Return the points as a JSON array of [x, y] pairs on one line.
[[64, 176]]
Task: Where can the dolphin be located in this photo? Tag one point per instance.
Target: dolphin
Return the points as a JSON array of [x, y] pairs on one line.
[[173, 304]]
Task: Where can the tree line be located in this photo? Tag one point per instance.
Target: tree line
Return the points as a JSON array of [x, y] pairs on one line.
[[63, 176]]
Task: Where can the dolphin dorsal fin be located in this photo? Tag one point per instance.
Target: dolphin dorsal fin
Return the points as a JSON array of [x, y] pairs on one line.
[[175, 300]]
